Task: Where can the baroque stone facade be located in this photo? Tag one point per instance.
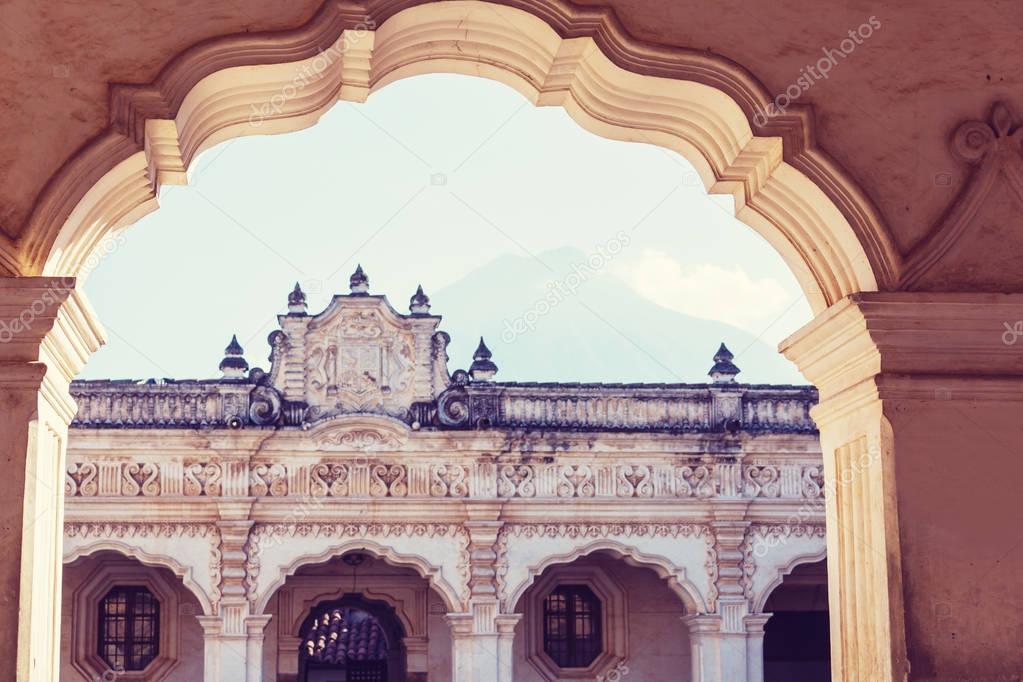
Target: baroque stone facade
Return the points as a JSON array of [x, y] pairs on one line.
[[477, 495]]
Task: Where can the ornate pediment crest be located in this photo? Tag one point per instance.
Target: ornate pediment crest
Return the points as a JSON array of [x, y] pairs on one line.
[[359, 361], [359, 356], [362, 433]]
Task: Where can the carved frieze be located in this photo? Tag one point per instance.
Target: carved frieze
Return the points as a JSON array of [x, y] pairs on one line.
[[365, 476]]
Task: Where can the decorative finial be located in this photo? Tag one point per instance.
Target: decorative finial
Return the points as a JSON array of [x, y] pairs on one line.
[[724, 370], [233, 366], [359, 282], [419, 304], [482, 368], [296, 301]]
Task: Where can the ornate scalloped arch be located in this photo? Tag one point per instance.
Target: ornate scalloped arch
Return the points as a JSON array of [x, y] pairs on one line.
[[673, 575], [379, 551], [556, 54], [759, 600], [382, 597], [149, 559]]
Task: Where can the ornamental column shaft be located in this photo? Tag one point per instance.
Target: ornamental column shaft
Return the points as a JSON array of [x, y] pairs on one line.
[[723, 652], [47, 332], [921, 396], [482, 637], [234, 635]]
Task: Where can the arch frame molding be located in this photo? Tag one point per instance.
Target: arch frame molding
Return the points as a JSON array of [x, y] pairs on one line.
[[435, 555], [555, 54], [524, 547], [203, 588]]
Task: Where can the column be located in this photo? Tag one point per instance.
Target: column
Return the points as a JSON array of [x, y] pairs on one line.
[[417, 659], [47, 332], [234, 635], [755, 646], [723, 654], [921, 398], [233, 648], [482, 637], [481, 646]]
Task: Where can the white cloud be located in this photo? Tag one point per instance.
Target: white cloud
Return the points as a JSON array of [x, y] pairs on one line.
[[713, 292]]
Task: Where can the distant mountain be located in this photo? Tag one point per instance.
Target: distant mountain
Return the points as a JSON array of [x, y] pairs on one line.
[[550, 318]]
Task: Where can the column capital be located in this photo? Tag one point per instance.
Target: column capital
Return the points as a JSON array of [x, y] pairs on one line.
[[47, 318], [461, 624], [255, 625], [701, 623], [216, 625], [507, 622], [756, 622], [910, 345]]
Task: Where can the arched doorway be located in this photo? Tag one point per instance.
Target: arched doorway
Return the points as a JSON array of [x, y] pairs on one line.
[[394, 619], [351, 640], [796, 644]]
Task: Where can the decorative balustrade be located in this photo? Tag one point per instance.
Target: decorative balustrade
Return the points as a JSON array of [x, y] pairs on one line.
[[155, 405], [361, 477], [778, 410], [605, 408], [676, 408]]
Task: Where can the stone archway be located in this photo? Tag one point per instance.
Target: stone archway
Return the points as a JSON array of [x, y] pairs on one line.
[[697, 108], [409, 609], [90, 577], [886, 363]]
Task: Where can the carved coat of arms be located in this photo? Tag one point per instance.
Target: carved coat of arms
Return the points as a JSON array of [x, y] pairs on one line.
[[359, 362]]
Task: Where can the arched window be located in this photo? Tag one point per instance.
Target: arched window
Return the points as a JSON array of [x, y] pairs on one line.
[[571, 626], [129, 628]]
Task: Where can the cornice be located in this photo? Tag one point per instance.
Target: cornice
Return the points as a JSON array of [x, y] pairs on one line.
[[48, 330], [444, 511], [912, 346], [502, 446]]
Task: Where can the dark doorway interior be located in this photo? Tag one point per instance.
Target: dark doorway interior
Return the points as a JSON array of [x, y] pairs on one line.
[[796, 641], [351, 640]]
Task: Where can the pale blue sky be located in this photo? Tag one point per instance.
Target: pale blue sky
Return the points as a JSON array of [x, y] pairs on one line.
[[429, 181]]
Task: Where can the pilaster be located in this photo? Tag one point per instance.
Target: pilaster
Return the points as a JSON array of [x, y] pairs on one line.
[[482, 638], [233, 648], [234, 635], [47, 332], [723, 651], [729, 526], [920, 398]]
